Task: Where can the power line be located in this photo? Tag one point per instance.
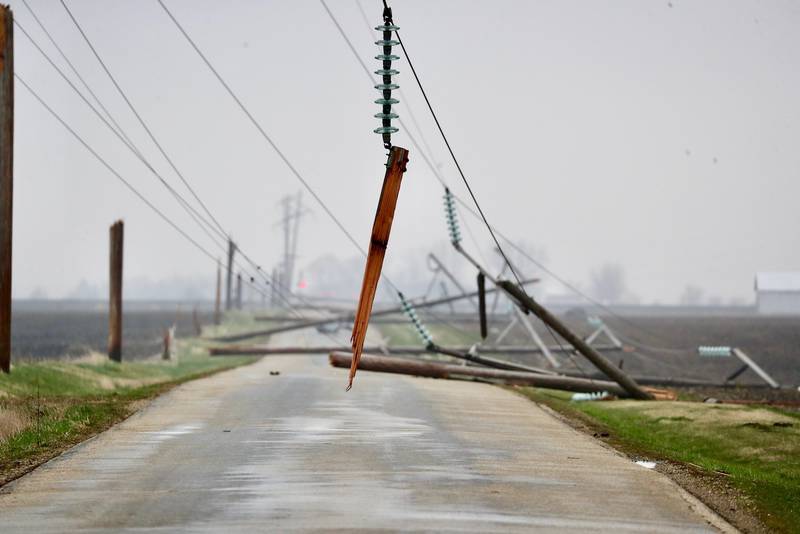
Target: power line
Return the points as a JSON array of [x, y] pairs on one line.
[[260, 129], [74, 70], [178, 197], [139, 117], [114, 171], [469, 209], [135, 191], [270, 141], [455, 160], [191, 211]]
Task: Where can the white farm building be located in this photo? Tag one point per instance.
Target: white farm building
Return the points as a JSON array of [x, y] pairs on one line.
[[778, 293]]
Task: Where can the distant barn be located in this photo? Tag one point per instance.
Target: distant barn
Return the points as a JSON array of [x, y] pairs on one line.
[[778, 293]]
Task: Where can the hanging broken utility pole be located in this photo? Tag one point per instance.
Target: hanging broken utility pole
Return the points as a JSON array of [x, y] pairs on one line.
[[229, 274], [395, 167], [115, 292], [6, 179], [382, 226]]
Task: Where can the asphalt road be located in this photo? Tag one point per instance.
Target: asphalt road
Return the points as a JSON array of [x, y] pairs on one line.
[[248, 451]]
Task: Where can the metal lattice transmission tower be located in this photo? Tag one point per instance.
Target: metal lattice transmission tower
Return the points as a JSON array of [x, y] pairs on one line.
[[293, 212]]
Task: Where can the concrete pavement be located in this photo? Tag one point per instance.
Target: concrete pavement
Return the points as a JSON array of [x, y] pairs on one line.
[[245, 451]]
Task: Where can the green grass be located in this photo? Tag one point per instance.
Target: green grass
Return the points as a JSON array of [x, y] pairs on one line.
[[757, 448], [49, 406], [406, 335]]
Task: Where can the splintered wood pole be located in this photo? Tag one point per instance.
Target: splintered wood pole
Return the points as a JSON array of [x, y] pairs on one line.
[[218, 296], [229, 281], [115, 292], [6, 179], [381, 227], [599, 361]]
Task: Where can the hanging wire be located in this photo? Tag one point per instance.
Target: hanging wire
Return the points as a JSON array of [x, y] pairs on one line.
[[270, 141], [469, 209]]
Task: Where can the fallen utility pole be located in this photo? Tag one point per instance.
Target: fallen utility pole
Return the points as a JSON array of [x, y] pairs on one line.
[[346, 318], [6, 179], [233, 350], [116, 234], [473, 357], [608, 368], [439, 370], [462, 355]]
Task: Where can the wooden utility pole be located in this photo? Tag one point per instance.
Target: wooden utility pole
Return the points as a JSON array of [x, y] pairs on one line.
[[600, 361], [229, 282], [239, 291], [6, 179], [218, 297], [381, 228], [431, 369], [115, 292]]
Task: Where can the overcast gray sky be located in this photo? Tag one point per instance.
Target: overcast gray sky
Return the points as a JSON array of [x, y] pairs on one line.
[[662, 137]]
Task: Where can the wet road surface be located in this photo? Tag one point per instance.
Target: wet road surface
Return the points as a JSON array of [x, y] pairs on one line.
[[246, 451]]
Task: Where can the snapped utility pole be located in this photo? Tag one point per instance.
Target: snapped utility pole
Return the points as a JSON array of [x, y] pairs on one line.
[[381, 228], [116, 233], [6, 179]]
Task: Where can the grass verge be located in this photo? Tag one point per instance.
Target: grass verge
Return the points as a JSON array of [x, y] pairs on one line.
[[48, 407], [756, 450]]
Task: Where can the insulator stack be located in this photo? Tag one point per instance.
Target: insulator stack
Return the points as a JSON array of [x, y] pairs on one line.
[[409, 310], [714, 351], [450, 215], [595, 321], [386, 72]]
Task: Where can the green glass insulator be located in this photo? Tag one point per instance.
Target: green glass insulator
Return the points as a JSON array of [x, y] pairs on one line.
[[387, 57], [387, 86], [386, 130], [387, 72], [387, 101], [390, 42], [387, 27], [386, 115]]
